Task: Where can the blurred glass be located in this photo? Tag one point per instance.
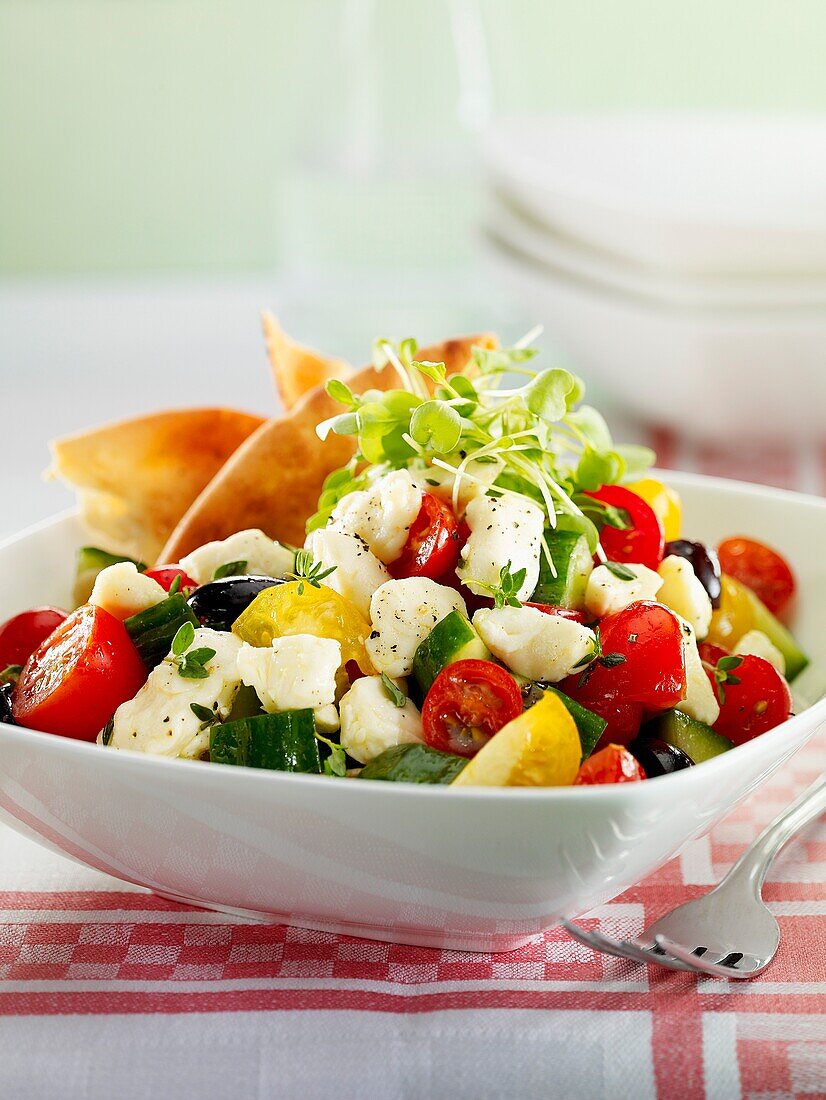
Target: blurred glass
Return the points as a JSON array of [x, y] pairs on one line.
[[387, 106]]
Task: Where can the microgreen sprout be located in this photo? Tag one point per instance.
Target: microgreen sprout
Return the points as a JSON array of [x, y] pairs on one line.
[[620, 571], [396, 696], [230, 569], [336, 762], [306, 569]]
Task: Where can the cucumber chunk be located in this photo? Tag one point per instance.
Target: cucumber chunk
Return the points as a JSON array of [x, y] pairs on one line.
[[91, 560], [589, 725], [152, 630], [414, 764], [453, 638], [697, 740], [778, 635], [283, 742], [573, 564]]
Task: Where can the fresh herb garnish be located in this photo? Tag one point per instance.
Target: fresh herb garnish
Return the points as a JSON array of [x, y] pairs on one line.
[[622, 572], [10, 674], [336, 762], [396, 696], [505, 591], [230, 569], [208, 717], [189, 662], [549, 448], [107, 731], [175, 586], [597, 657], [721, 673], [313, 572]]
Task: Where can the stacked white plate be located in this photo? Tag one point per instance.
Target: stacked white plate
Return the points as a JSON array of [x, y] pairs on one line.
[[679, 260]]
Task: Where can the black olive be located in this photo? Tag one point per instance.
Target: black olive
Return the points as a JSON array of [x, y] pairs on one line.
[[704, 562], [532, 692], [658, 757], [5, 704], [219, 603]]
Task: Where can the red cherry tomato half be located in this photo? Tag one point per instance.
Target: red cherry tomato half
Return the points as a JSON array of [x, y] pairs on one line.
[[21, 635], [78, 677], [761, 569], [467, 704], [759, 702], [562, 612], [432, 546], [643, 541], [613, 764], [165, 576]]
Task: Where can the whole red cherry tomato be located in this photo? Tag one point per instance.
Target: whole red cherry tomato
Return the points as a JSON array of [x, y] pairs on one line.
[[165, 576], [432, 546], [761, 569], [613, 764], [79, 676], [468, 702], [643, 541], [22, 634], [755, 699], [606, 699], [562, 612]]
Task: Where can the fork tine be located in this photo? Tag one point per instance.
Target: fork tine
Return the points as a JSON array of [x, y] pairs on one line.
[[702, 963], [623, 949]]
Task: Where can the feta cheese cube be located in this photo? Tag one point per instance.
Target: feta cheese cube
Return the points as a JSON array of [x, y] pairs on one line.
[[700, 701], [506, 528], [122, 591], [403, 613], [682, 592], [758, 644], [358, 572], [264, 556], [533, 644], [160, 719], [381, 515], [295, 672], [606, 593], [371, 722]]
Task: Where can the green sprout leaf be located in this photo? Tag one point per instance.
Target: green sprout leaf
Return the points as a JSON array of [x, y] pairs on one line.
[[396, 696], [503, 593], [437, 426], [336, 763], [230, 569], [434, 371], [620, 571], [546, 396], [306, 569], [341, 392], [183, 639], [722, 674], [207, 717]]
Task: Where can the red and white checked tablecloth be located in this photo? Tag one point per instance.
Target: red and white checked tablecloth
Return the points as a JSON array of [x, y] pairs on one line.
[[108, 991]]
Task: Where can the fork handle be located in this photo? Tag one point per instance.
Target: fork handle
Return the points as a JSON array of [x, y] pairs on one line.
[[754, 863]]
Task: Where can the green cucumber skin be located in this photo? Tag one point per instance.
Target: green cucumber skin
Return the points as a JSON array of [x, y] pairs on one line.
[[697, 740], [573, 563], [91, 560], [453, 638], [413, 764], [590, 726], [283, 742], [796, 660], [152, 630]]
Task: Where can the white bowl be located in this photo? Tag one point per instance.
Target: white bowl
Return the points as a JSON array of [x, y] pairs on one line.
[[506, 221], [722, 374], [467, 869], [702, 193]]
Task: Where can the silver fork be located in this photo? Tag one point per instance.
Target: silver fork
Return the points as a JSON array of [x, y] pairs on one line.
[[729, 932]]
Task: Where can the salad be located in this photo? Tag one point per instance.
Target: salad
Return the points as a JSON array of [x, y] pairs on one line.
[[489, 592]]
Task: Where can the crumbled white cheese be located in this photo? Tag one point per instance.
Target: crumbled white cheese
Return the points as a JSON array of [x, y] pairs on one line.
[[264, 556], [122, 591], [371, 722], [606, 593], [699, 701], [533, 644], [160, 719], [506, 528], [381, 515], [758, 644], [403, 613], [475, 480], [294, 672], [358, 572], [326, 718], [682, 592]]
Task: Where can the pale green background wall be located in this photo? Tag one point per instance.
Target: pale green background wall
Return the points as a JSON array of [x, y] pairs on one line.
[[144, 135]]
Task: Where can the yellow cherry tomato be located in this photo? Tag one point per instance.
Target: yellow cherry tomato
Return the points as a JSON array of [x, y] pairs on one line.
[[540, 748], [302, 608], [734, 617], [664, 501]]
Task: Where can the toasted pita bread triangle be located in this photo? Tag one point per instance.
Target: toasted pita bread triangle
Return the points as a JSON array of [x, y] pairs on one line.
[[274, 479], [136, 478], [297, 369]]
